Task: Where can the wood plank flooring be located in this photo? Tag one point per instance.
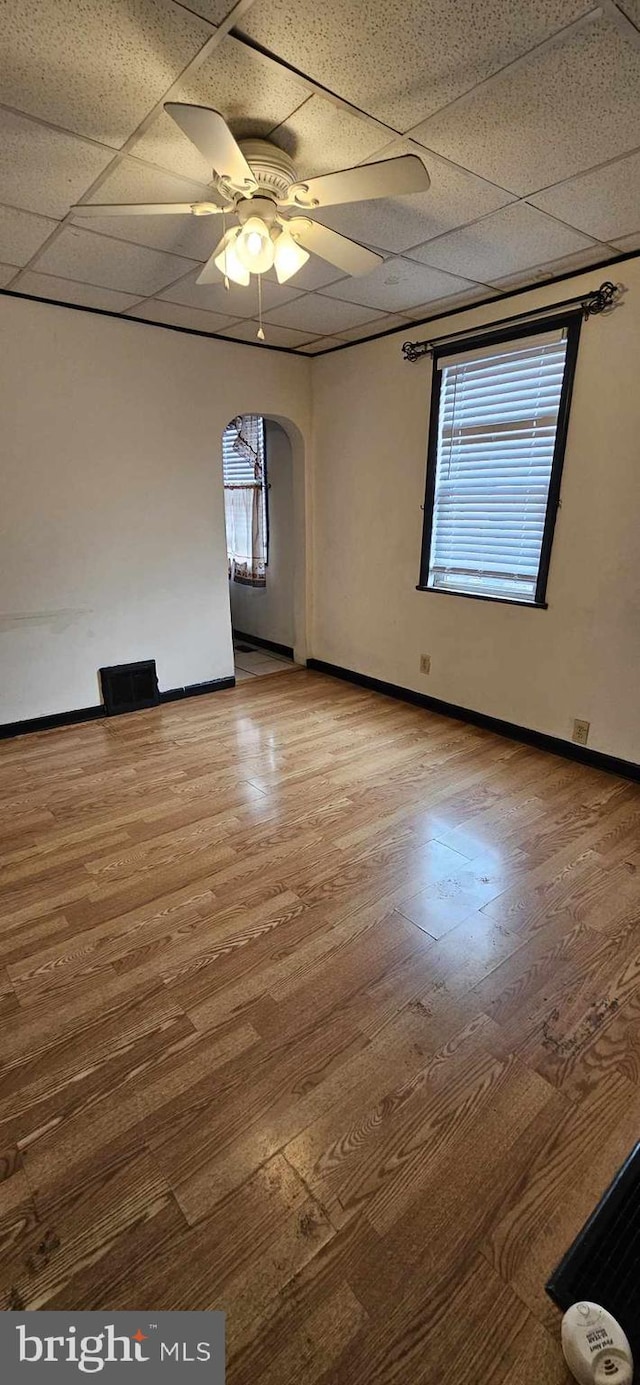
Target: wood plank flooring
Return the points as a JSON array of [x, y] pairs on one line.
[[319, 1008]]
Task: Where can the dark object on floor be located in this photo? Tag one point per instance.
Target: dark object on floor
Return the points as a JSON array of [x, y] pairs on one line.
[[603, 1264], [244, 649]]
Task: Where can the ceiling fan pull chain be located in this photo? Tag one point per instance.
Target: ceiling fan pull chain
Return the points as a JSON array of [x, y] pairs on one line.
[[224, 238], [260, 332]]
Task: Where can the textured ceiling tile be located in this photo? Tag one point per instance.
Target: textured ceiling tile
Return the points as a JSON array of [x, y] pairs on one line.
[[423, 311], [21, 234], [274, 336], [320, 344], [177, 315], [397, 284], [401, 59], [131, 181], [605, 203], [515, 238], [252, 92], [381, 324], [111, 264], [7, 273], [567, 264], [632, 10], [628, 242], [314, 313], [396, 223], [235, 301], [574, 104], [44, 170], [322, 137], [95, 66], [67, 291], [213, 10]]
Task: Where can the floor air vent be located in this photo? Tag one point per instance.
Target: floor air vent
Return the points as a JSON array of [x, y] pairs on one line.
[[603, 1264], [128, 687]]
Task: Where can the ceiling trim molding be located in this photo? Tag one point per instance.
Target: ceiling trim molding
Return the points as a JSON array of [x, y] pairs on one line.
[[494, 300]]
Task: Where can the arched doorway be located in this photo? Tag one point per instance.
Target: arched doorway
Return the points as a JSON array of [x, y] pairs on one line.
[[265, 505]]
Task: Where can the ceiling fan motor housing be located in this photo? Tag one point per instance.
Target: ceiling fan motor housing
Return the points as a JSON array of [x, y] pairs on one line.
[[273, 170]]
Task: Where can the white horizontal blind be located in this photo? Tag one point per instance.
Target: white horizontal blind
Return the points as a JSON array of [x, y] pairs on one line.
[[497, 429], [243, 466]]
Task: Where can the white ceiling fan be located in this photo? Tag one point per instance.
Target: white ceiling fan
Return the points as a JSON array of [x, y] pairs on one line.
[[255, 180]]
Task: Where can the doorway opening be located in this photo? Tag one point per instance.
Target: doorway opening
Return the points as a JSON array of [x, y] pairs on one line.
[[263, 518]]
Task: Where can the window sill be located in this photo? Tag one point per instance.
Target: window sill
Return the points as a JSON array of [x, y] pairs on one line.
[[480, 596]]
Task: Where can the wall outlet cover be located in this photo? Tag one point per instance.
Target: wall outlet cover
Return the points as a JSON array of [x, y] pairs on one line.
[[580, 732], [425, 663]]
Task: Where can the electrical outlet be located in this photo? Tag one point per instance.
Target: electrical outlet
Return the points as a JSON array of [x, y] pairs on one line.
[[580, 732], [425, 663]]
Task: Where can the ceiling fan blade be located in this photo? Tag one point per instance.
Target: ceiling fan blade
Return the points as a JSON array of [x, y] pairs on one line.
[[329, 245], [387, 178], [212, 137], [145, 209]]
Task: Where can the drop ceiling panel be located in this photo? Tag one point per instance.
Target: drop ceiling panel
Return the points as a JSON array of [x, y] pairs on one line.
[[423, 311], [7, 272], [322, 137], [67, 291], [253, 93], [274, 336], [628, 243], [566, 108], [177, 315], [604, 203], [320, 344], [396, 223], [515, 238], [568, 264], [315, 313], [402, 59], [109, 263], [398, 283], [213, 10], [21, 234], [131, 181], [235, 302], [381, 324], [97, 67], [632, 10], [44, 170]]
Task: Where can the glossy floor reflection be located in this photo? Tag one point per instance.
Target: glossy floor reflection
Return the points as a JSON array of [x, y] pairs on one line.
[[321, 1009]]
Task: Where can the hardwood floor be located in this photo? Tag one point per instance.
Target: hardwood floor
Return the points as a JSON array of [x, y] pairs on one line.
[[319, 1008]]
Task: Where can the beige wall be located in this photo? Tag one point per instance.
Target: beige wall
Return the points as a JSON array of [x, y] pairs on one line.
[[268, 611], [537, 668], [112, 542]]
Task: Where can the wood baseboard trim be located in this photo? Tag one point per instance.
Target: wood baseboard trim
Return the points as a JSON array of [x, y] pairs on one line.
[[286, 650], [80, 714], [595, 759]]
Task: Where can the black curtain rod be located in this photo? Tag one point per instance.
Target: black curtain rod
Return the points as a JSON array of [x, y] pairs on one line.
[[597, 301]]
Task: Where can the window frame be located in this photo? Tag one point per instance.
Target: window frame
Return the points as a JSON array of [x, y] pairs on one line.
[[572, 322]]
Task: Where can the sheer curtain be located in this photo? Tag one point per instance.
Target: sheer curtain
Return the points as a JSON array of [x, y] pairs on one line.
[[245, 500]]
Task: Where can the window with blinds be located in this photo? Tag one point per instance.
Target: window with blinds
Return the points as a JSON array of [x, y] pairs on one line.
[[490, 498], [244, 472]]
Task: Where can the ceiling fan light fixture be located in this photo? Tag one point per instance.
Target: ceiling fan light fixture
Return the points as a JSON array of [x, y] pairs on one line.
[[289, 257], [254, 246], [229, 263]]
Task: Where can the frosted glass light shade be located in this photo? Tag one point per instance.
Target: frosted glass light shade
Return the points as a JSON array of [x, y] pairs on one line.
[[229, 263], [289, 257], [254, 246]]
